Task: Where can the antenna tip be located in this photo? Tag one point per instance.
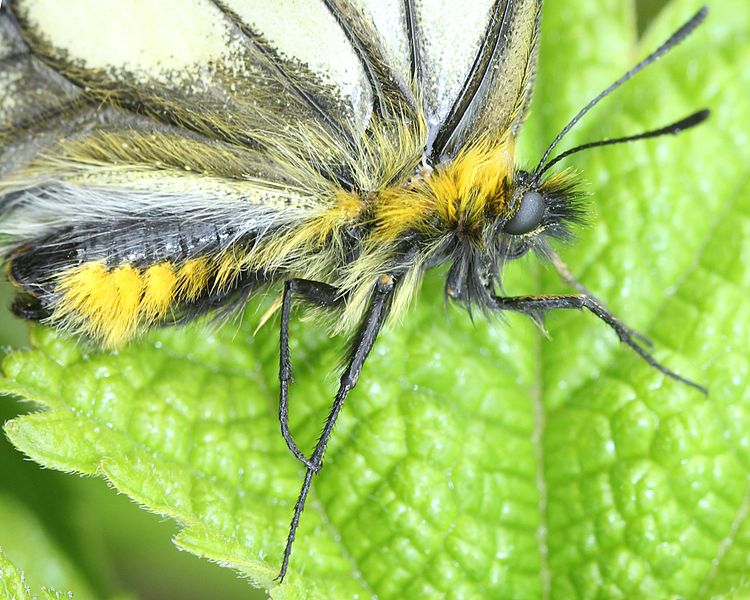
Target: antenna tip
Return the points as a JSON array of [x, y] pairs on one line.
[[693, 120], [700, 16]]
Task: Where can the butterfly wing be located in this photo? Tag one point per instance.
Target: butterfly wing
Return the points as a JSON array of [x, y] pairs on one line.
[[173, 87], [472, 63], [258, 74], [202, 65], [30, 93]]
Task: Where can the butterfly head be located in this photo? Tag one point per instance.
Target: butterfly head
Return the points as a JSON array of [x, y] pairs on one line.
[[537, 211], [530, 213]]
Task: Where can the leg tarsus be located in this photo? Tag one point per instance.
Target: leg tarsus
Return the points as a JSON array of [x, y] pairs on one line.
[[527, 304], [298, 508], [569, 279]]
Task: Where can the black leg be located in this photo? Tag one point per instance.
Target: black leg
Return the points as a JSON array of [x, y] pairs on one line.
[[320, 294], [536, 305], [366, 336], [567, 276]]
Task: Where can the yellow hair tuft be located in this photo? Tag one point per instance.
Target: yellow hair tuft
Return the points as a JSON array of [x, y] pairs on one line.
[[192, 278], [160, 285], [103, 303]]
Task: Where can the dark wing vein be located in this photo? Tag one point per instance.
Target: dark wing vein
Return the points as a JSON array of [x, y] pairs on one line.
[[388, 89], [412, 34], [499, 22], [273, 60]]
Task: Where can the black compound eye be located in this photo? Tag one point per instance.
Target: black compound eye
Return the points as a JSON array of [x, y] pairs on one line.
[[529, 215]]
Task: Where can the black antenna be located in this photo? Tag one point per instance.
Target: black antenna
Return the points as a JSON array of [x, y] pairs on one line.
[[677, 37], [673, 129]]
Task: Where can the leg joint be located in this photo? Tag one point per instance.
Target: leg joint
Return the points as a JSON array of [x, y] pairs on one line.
[[385, 284]]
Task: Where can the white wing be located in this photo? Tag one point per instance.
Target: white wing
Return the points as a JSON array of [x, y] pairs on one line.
[[472, 62]]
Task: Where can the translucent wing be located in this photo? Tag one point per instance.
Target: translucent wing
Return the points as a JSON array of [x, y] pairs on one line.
[[472, 62], [198, 64]]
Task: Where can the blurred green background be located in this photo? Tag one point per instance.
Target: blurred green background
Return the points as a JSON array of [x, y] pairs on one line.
[[103, 533]]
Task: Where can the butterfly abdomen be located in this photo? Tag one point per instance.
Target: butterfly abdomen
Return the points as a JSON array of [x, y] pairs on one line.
[[114, 283]]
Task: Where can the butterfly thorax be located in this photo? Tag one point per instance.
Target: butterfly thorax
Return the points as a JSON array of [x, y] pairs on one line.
[[458, 196]]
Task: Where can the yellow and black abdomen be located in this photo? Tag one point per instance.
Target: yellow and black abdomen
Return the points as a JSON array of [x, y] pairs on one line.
[[113, 281]]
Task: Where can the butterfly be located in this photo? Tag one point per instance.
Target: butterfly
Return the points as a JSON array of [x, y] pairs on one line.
[[335, 150]]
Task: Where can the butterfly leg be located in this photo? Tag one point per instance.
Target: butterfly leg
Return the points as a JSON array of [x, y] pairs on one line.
[[319, 294], [363, 343], [567, 276], [535, 307]]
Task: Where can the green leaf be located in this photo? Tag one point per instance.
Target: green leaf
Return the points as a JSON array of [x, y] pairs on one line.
[[27, 544], [13, 585], [480, 460]]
